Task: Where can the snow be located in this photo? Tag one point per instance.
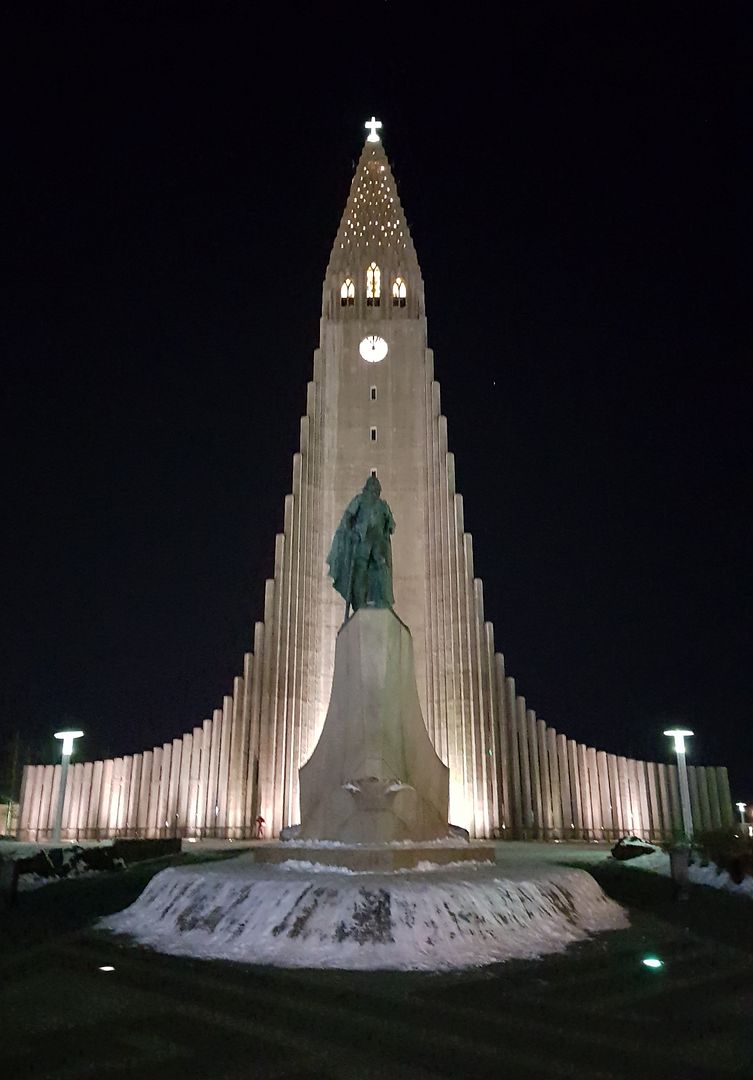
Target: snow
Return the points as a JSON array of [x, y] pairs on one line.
[[430, 918], [711, 875]]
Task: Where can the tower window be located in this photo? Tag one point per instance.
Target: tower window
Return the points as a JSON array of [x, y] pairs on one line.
[[373, 472], [373, 434], [373, 285], [373, 393], [347, 293], [399, 292]]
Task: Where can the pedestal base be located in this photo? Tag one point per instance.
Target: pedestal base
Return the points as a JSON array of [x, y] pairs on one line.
[[375, 857]]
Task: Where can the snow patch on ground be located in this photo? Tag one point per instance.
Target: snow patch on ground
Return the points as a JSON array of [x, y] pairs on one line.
[[658, 863]]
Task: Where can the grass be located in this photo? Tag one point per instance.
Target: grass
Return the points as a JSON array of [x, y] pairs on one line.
[[593, 1012]]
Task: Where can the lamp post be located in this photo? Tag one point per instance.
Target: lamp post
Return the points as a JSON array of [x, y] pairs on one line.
[[742, 807], [680, 735], [68, 738]]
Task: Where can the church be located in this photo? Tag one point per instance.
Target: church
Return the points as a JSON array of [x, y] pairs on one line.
[[373, 407]]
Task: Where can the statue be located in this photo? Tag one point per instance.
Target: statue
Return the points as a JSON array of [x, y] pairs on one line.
[[360, 559]]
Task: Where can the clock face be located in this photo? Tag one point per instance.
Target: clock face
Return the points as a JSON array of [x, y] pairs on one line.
[[373, 349]]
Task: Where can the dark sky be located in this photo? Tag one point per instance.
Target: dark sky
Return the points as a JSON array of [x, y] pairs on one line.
[[574, 179]]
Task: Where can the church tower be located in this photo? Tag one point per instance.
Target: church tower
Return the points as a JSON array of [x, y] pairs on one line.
[[372, 406]]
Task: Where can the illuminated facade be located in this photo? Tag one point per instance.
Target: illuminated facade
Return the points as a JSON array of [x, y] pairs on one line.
[[372, 406]]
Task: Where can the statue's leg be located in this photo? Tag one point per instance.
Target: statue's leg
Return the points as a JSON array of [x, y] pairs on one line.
[[360, 583]]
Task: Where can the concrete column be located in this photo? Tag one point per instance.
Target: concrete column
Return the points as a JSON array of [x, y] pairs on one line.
[[666, 805], [545, 782], [529, 823], [714, 806], [203, 820], [655, 823], [554, 783], [134, 789], [182, 819], [605, 796], [194, 781], [703, 794], [519, 807], [105, 794], [585, 793], [92, 819], [510, 809], [674, 799], [46, 821], [536, 792], [640, 768], [725, 796], [252, 785], [154, 789], [695, 802], [35, 800], [566, 801], [212, 806], [164, 825], [224, 765], [593, 776], [614, 796], [112, 811], [576, 804], [635, 804], [145, 783], [497, 782], [83, 806]]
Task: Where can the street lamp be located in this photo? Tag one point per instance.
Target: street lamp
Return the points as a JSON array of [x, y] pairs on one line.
[[68, 739], [742, 807], [680, 735]]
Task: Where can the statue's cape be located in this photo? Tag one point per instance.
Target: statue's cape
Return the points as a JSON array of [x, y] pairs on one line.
[[342, 552]]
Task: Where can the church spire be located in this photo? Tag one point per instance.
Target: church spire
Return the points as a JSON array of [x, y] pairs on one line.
[[373, 253]]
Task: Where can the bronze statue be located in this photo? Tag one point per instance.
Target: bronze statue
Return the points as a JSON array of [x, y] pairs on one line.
[[360, 559]]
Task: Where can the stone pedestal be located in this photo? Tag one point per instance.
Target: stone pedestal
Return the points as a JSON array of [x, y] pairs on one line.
[[374, 776]]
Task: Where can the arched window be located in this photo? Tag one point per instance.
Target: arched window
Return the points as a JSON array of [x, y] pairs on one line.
[[399, 292], [347, 293], [373, 285]]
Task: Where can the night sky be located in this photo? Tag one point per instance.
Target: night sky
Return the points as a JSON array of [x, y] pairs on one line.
[[574, 181]]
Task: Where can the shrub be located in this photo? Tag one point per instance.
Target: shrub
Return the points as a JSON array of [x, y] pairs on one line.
[[729, 848]]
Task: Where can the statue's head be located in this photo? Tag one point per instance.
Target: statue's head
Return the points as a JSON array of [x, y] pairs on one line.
[[373, 486]]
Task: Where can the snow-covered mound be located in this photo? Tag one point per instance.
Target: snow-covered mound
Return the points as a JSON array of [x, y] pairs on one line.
[[710, 874], [428, 919]]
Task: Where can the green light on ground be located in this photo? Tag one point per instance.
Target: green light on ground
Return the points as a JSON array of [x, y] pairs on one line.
[[652, 962]]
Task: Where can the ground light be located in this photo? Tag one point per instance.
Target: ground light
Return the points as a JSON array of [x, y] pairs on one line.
[[107, 967], [652, 962]]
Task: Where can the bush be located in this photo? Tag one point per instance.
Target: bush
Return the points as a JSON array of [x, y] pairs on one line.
[[729, 848]]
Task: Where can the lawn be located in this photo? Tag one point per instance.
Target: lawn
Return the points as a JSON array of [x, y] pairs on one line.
[[592, 1012]]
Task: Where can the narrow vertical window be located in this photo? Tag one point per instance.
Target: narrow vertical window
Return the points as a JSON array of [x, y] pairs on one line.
[[399, 292], [347, 293], [373, 472], [373, 285], [373, 393], [373, 434]]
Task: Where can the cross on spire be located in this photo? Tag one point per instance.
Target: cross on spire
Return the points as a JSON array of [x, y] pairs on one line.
[[373, 126]]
